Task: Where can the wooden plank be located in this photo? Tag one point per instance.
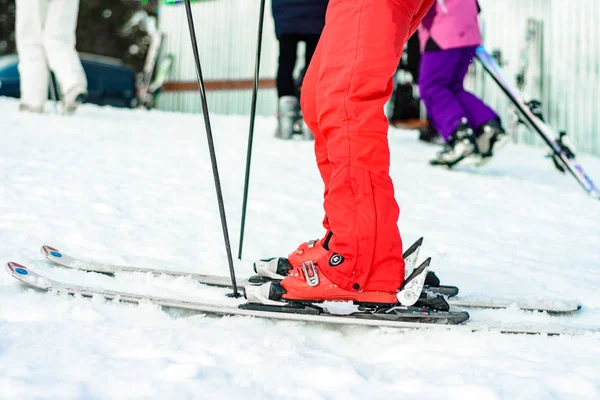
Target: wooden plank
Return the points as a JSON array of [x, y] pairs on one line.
[[218, 85], [410, 123]]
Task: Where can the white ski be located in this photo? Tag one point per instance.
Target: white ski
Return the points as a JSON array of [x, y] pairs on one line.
[[37, 281], [66, 260]]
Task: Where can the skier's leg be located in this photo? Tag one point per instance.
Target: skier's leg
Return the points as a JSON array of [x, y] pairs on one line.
[[490, 135], [59, 44], [285, 67], [476, 110], [309, 250], [288, 109], [436, 76], [33, 69], [311, 42], [309, 112], [360, 49]]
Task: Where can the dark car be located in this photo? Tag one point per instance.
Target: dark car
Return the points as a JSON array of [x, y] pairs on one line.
[[110, 82]]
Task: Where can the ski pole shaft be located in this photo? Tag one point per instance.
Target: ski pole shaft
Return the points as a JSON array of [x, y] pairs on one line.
[[261, 18], [211, 145]]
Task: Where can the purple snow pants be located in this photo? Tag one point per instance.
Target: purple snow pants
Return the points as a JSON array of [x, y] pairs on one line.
[[441, 78]]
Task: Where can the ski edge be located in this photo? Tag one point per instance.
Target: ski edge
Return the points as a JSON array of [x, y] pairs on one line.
[[567, 308]]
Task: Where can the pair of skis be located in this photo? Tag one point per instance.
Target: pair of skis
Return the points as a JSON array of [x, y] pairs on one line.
[[364, 314], [59, 258], [561, 153], [400, 317]]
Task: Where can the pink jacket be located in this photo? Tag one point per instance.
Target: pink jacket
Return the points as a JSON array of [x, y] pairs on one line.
[[450, 24]]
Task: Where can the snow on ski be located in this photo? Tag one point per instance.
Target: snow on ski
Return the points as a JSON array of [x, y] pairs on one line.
[[60, 258], [66, 260], [533, 123], [40, 282], [534, 304], [549, 305]]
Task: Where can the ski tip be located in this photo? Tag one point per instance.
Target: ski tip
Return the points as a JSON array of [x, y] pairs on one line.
[[576, 306], [16, 268], [48, 251], [28, 276], [413, 247]]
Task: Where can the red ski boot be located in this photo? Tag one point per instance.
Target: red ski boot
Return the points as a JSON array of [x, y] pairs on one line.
[[305, 284], [278, 268]]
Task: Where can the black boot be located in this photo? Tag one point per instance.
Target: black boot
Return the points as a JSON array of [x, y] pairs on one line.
[[490, 137], [460, 145]]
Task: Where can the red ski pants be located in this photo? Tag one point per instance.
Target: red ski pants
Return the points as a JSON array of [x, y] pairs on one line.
[[344, 92]]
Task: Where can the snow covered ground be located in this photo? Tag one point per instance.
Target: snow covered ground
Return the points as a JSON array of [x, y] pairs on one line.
[[135, 187]]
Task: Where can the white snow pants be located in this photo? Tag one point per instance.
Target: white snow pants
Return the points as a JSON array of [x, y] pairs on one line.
[[45, 37]]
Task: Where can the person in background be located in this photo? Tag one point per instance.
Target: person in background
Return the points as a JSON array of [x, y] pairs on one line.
[[45, 39], [295, 21], [449, 35], [405, 109]]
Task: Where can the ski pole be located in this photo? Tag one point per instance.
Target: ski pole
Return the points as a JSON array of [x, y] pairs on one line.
[[261, 18], [211, 146]]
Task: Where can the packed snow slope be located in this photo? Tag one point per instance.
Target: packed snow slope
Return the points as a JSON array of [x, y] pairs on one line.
[[136, 187]]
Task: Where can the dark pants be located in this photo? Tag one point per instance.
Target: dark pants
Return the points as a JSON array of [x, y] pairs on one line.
[[288, 47], [441, 87]]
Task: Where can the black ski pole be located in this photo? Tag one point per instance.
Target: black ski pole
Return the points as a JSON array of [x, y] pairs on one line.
[[211, 146], [261, 18]]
